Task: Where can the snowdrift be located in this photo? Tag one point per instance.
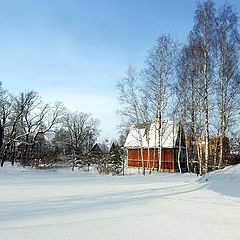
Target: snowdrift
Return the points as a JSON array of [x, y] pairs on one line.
[[65, 205], [225, 181]]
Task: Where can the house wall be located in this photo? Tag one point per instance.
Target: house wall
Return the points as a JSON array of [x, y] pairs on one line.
[[167, 163], [134, 158]]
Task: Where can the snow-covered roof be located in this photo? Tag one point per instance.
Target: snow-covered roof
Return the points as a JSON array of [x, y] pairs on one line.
[[169, 132]]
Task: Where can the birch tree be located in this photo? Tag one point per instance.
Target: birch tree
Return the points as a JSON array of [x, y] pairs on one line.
[[228, 42], [159, 71], [204, 29], [131, 109], [146, 116], [189, 91]]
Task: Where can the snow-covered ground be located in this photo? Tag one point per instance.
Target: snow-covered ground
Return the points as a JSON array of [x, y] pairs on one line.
[[65, 205]]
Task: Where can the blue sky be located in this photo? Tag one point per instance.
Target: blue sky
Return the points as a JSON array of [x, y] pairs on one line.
[[75, 51]]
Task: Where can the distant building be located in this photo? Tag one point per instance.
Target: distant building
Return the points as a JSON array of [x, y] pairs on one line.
[[96, 149], [147, 138]]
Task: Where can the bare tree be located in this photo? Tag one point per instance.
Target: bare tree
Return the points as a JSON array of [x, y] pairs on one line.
[[29, 118], [13, 130], [159, 71], [130, 101], [79, 131], [207, 89], [189, 91], [204, 29], [5, 112], [228, 41], [27, 125]]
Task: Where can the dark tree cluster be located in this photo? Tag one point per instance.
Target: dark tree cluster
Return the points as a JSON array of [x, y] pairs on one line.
[[37, 134], [105, 160]]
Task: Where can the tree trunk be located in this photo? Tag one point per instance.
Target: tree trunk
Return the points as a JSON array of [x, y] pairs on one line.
[[199, 139], [216, 152], [192, 140], [179, 149], [200, 157], [1, 135], [149, 163], [141, 150], [154, 149], [206, 98], [159, 144], [221, 112]]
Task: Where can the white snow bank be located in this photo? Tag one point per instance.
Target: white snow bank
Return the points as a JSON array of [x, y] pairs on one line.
[[225, 181], [65, 205]]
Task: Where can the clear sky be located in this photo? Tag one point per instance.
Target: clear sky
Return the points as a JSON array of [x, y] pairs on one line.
[[74, 51]]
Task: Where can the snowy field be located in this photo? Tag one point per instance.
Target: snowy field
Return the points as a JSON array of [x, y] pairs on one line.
[[65, 205]]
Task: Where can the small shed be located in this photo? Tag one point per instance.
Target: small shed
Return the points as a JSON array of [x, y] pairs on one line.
[[146, 138]]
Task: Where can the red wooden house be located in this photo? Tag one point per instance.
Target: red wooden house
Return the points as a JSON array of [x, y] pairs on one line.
[[171, 136]]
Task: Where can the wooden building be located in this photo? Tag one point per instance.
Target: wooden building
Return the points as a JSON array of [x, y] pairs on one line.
[[145, 140]]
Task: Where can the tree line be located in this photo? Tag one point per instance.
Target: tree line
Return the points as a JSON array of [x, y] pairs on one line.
[[196, 84], [35, 133]]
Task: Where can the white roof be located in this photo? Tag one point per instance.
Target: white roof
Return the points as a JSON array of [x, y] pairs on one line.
[[168, 132]]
